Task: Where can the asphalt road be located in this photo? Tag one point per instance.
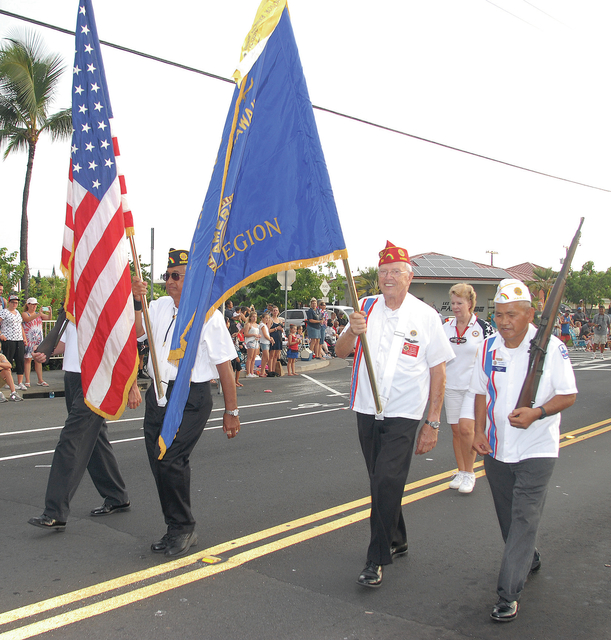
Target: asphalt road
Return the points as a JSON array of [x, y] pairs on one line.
[[282, 520]]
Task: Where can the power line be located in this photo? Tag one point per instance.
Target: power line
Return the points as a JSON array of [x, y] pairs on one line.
[[511, 14], [318, 108], [544, 12]]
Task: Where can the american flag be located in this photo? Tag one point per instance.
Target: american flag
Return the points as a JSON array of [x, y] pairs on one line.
[[94, 252]]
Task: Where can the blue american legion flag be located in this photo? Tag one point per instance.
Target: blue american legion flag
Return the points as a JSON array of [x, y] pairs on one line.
[[269, 206], [94, 253]]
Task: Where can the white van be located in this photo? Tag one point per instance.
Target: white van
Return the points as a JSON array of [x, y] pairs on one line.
[[294, 316], [347, 311]]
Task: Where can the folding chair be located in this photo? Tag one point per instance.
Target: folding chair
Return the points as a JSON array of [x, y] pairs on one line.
[[578, 344]]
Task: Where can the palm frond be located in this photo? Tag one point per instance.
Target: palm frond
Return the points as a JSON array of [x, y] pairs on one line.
[[15, 140], [59, 125], [31, 75]]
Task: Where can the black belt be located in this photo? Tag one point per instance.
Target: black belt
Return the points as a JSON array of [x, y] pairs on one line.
[[191, 384]]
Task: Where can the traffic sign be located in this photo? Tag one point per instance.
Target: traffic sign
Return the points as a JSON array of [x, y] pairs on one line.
[[286, 278]]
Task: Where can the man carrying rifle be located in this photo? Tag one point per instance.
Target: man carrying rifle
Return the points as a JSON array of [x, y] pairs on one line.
[[520, 446]]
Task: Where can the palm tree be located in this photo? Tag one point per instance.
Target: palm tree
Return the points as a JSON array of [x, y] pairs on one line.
[[544, 280], [29, 78], [367, 282]]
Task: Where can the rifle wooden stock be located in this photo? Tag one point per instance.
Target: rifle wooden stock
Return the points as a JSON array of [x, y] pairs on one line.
[[538, 345]]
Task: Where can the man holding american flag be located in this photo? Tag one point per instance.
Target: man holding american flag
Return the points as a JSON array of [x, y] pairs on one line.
[[101, 359], [83, 445]]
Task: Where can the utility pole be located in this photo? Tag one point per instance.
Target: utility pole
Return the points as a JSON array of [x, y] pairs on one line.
[[492, 254]]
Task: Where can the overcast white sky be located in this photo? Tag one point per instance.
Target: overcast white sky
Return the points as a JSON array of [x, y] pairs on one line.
[[523, 82]]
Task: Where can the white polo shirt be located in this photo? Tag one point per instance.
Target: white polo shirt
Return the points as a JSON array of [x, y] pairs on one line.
[[71, 361], [215, 344], [502, 383], [423, 346], [458, 371]]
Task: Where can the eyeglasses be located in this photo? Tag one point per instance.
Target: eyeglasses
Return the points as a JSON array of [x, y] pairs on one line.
[[174, 275], [395, 273], [457, 340]]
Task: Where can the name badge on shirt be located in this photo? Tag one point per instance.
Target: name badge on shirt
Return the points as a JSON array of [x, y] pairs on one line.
[[499, 365], [410, 349]]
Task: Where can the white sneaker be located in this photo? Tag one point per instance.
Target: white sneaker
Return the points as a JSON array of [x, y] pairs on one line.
[[21, 386], [15, 397], [468, 482], [457, 480], [2, 398]]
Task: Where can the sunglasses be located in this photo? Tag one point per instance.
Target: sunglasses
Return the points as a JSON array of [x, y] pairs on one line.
[[174, 275]]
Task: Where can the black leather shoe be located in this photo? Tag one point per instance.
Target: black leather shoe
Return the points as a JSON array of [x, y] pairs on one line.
[[179, 545], [107, 509], [161, 545], [504, 611], [399, 550], [44, 522], [371, 575], [536, 565]]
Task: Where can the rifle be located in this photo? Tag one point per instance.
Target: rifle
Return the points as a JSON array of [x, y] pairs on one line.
[[47, 346], [538, 345]]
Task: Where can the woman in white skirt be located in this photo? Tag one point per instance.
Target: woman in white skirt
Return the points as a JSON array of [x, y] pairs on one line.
[[465, 332], [251, 342]]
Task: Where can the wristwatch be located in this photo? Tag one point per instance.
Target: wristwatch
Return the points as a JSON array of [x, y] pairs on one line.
[[235, 412], [435, 425]]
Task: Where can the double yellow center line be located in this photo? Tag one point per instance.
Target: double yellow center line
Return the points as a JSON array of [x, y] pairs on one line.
[[222, 557]]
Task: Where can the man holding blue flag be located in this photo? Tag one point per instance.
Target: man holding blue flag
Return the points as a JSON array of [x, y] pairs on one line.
[[269, 190], [215, 351]]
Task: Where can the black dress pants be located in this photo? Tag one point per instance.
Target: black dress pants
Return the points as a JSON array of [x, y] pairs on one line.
[[387, 446], [173, 472], [83, 444]]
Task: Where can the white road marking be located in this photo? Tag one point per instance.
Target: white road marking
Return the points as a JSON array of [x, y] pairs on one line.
[[291, 416]]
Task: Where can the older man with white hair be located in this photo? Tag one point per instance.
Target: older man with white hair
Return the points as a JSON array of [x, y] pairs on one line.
[[520, 446], [409, 351]]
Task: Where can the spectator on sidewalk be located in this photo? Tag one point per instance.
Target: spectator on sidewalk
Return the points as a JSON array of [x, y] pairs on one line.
[[314, 319], [13, 338], [32, 326], [229, 310], [565, 326], [5, 374], [579, 316], [3, 302], [276, 332], [601, 323]]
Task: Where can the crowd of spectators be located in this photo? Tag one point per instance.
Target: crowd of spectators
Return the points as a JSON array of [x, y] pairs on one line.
[[261, 336], [20, 333], [590, 332]]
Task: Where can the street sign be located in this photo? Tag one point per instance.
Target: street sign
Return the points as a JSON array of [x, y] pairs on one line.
[[286, 278], [325, 288]]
